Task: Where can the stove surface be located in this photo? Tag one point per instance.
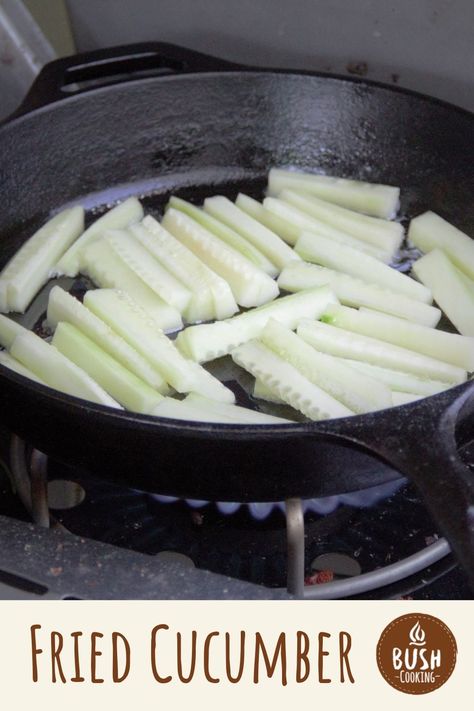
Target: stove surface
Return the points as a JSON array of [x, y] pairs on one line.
[[210, 550]]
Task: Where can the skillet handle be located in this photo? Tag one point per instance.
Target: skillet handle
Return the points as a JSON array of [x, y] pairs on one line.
[[81, 72], [420, 442]]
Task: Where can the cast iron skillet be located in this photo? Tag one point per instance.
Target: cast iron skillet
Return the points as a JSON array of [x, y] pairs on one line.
[[171, 120]]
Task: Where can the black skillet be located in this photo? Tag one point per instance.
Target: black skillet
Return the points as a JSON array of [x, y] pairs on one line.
[[174, 121]]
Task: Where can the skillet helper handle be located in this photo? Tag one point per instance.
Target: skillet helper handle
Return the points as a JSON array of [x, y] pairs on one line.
[[79, 72], [420, 442]]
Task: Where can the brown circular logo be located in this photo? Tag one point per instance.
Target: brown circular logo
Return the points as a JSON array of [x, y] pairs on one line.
[[416, 653]]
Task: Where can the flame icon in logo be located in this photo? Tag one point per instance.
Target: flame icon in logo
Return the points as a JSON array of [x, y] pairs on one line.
[[417, 636]]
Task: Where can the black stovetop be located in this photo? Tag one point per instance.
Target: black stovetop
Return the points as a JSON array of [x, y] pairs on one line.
[[393, 526]]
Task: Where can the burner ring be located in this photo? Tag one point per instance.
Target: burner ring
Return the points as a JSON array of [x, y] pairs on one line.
[[30, 480]]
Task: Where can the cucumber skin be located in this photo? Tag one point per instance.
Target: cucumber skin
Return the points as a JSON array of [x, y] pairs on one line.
[[449, 347], [450, 292], [360, 393], [354, 292], [40, 357], [375, 199], [337, 342], [9, 330], [125, 387], [30, 267], [64, 307], [120, 216]]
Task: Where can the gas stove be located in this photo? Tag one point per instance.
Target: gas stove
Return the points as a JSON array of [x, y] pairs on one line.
[[69, 535]]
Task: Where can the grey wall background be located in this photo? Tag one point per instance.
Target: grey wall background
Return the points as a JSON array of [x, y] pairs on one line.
[[420, 44]]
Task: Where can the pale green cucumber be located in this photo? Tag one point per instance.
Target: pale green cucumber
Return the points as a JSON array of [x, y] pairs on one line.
[[29, 269], [148, 269], [9, 330], [323, 251], [57, 371], [161, 246], [263, 392], [450, 347], [398, 381], [131, 392], [354, 292], [467, 281], [209, 341], [400, 398], [371, 198], [430, 231], [302, 222], [108, 271], [358, 392], [118, 218], [171, 408], [223, 298], [211, 295], [345, 344], [274, 248], [287, 382], [17, 367], [450, 292], [230, 237], [234, 412], [64, 307], [283, 228], [381, 233], [134, 326], [250, 286]]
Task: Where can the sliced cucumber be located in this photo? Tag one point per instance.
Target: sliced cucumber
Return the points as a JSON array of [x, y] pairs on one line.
[[133, 325], [230, 237], [263, 392], [371, 198], [260, 236], [354, 292], [173, 409], [430, 231], [29, 269], [450, 347], [250, 285], [208, 341], [323, 251], [131, 392], [9, 330], [234, 412], [288, 383], [400, 398], [150, 270], [398, 381], [183, 410], [346, 344], [57, 371], [283, 228], [381, 233], [118, 218], [302, 222], [211, 295], [64, 307], [107, 270], [17, 367], [358, 392], [449, 291]]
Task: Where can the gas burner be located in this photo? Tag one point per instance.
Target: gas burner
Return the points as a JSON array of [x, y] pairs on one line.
[[373, 544]]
